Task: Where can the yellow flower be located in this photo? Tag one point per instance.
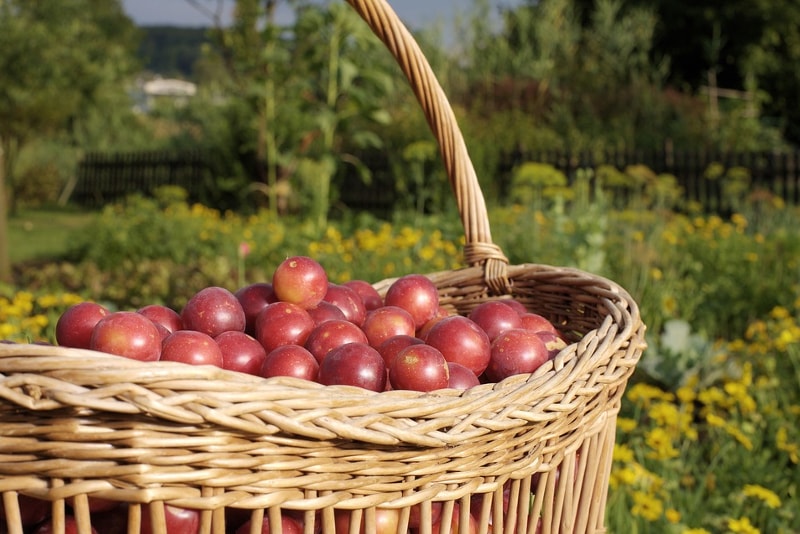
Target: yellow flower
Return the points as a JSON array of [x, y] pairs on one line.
[[646, 506], [656, 274], [661, 444], [625, 424], [686, 395], [782, 443], [622, 477], [739, 436], [779, 312], [715, 420], [712, 396], [739, 220], [695, 531], [664, 414], [645, 393], [769, 497], [672, 515], [742, 526], [622, 453]]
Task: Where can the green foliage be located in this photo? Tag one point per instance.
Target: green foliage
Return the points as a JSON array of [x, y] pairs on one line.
[[532, 184], [704, 439]]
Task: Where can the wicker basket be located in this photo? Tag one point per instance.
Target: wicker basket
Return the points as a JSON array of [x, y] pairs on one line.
[[78, 425]]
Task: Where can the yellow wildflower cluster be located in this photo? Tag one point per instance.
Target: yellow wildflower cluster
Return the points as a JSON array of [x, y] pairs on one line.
[[25, 317], [385, 251], [712, 428]]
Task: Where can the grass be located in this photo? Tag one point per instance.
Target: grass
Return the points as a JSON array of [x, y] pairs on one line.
[[44, 233]]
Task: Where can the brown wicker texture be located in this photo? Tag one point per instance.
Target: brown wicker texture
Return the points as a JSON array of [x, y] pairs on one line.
[[78, 424]]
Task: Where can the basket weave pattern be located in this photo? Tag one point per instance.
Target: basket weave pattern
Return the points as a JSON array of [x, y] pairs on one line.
[[76, 424]]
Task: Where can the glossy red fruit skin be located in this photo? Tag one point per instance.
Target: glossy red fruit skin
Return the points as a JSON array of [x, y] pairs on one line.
[[254, 298], [283, 323], [495, 317], [75, 325], [390, 347], [213, 310], [554, 342], [462, 341], [331, 334], [290, 360], [163, 315], [416, 294], [537, 323], [241, 352], [461, 377], [354, 364], [300, 280], [346, 299], [516, 351], [325, 311], [515, 305], [369, 295], [419, 367], [385, 322], [191, 347], [127, 334]]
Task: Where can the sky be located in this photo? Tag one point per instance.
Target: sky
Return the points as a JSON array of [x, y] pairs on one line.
[[415, 13]]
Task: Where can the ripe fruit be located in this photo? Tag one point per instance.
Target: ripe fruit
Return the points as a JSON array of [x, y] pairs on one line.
[[462, 341], [192, 347], [346, 299], [290, 360], [385, 322], [254, 298], [354, 364], [369, 295], [213, 310], [461, 377], [74, 327], [300, 280], [331, 334], [390, 347], [419, 367], [416, 294], [515, 305], [163, 315], [283, 323], [537, 323], [553, 342], [495, 317], [516, 351], [325, 311], [241, 352], [127, 334]]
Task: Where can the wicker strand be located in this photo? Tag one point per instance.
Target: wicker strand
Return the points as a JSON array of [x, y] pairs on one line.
[[471, 205]]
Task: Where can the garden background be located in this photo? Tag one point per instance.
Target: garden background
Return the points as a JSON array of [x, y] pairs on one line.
[[292, 116]]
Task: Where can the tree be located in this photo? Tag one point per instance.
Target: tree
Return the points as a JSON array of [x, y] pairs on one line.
[[57, 57], [302, 89], [745, 45]]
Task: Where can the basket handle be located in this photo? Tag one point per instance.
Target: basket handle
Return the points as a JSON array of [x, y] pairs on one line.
[[479, 248]]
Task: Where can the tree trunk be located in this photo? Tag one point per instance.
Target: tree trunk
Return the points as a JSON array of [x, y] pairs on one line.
[[5, 260]]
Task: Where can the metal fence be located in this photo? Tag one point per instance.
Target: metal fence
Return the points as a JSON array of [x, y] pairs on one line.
[[106, 177]]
